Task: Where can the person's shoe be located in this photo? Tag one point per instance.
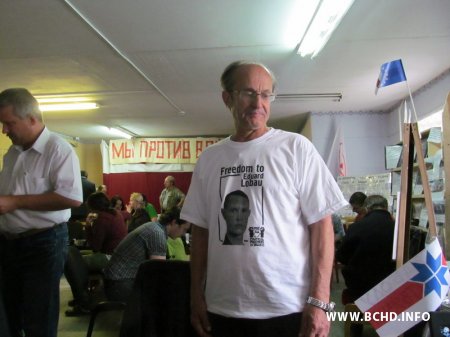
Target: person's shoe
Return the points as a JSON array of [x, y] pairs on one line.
[[77, 311]]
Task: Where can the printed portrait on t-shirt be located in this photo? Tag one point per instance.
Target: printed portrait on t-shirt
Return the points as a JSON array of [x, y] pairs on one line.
[[241, 217], [235, 211]]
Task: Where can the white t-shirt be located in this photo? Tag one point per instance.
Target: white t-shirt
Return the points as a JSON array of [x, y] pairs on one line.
[[50, 165], [289, 187]]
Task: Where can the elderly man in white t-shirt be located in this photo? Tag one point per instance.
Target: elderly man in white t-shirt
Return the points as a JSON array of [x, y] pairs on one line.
[[277, 283]]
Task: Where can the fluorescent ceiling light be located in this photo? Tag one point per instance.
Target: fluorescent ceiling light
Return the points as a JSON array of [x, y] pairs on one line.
[[327, 16], [62, 99], [333, 97], [118, 131], [65, 103], [300, 15], [68, 106]]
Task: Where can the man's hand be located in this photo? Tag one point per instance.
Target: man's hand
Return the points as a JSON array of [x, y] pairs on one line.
[[7, 204], [314, 322], [199, 316]]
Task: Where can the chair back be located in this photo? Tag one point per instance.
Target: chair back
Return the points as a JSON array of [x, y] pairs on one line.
[[159, 305]]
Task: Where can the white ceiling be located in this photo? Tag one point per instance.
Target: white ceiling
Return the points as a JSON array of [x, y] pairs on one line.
[[145, 61]]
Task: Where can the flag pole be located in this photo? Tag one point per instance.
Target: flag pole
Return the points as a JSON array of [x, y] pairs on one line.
[[412, 102]]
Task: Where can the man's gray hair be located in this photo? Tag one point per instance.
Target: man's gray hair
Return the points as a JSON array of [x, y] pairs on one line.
[[375, 202], [23, 102], [227, 78]]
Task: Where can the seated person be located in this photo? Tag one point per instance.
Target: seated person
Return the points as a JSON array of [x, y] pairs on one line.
[[138, 213], [105, 228], [150, 209], [148, 241], [357, 202], [118, 204], [366, 249], [338, 229]]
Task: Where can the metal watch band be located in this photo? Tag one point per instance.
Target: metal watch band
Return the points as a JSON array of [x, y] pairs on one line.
[[320, 304]]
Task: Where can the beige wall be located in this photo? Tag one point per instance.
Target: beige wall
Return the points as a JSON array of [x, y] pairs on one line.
[[89, 155], [90, 160], [5, 143]]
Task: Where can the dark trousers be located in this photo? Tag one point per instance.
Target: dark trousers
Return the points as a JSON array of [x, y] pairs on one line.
[[31, 269], [4, 328], [282, 326], [77, 276], [77, 270], [118, 290]]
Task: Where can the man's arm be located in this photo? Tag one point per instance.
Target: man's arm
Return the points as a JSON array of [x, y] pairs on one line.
[[314, 321], [49, 201], [157, 257], [199, 257], [181, 196]]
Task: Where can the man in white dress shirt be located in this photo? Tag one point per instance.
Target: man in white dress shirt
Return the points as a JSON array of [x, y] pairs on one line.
[[39, 183]]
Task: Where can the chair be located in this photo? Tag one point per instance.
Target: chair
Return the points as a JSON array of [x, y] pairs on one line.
[[103, 307], [159, 305]]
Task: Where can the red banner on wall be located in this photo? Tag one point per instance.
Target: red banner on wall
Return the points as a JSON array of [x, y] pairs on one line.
[[158, 150]]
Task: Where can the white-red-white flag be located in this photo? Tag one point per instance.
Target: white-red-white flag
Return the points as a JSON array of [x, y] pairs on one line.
[[337, 162], [406, 296]]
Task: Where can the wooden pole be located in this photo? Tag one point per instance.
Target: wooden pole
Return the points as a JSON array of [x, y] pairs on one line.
[[411, 140], [432, 230], [404, 216]]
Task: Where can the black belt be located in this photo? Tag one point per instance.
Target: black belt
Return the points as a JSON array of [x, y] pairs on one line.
[[30, 232]]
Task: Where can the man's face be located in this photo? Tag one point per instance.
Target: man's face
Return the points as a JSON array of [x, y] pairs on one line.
[[167, 183], [249, 113], [176, 231], [357, 208], [17, 129], [236, 214]]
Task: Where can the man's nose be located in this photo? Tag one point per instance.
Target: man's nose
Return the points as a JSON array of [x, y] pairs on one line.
[[257, 101]]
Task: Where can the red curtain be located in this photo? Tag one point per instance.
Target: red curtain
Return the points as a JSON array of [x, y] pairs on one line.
[[149, 183]]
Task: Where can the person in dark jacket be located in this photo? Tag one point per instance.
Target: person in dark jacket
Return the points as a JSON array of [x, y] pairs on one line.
[[366, 249], [80, 213]]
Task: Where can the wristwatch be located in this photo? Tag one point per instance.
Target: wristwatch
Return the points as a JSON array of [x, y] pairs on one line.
[[328, 307]]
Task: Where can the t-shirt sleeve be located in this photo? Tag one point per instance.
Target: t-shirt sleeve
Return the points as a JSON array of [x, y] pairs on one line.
[[320, 193], [194, 207]]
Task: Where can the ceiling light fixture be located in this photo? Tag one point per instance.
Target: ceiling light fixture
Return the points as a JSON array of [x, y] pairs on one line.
[[333, 97], [122, 132], [326, 18], [66, 104]]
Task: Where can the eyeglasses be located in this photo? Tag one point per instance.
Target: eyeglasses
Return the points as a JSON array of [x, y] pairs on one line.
[[247, 95]]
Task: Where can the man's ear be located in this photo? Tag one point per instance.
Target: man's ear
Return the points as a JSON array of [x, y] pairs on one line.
[[33, 119], [227, 99]]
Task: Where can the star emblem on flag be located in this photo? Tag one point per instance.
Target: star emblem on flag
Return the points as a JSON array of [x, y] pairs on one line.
[[432, 274]]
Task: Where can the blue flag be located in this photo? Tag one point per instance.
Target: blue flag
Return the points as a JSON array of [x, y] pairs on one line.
[[390, 73]]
